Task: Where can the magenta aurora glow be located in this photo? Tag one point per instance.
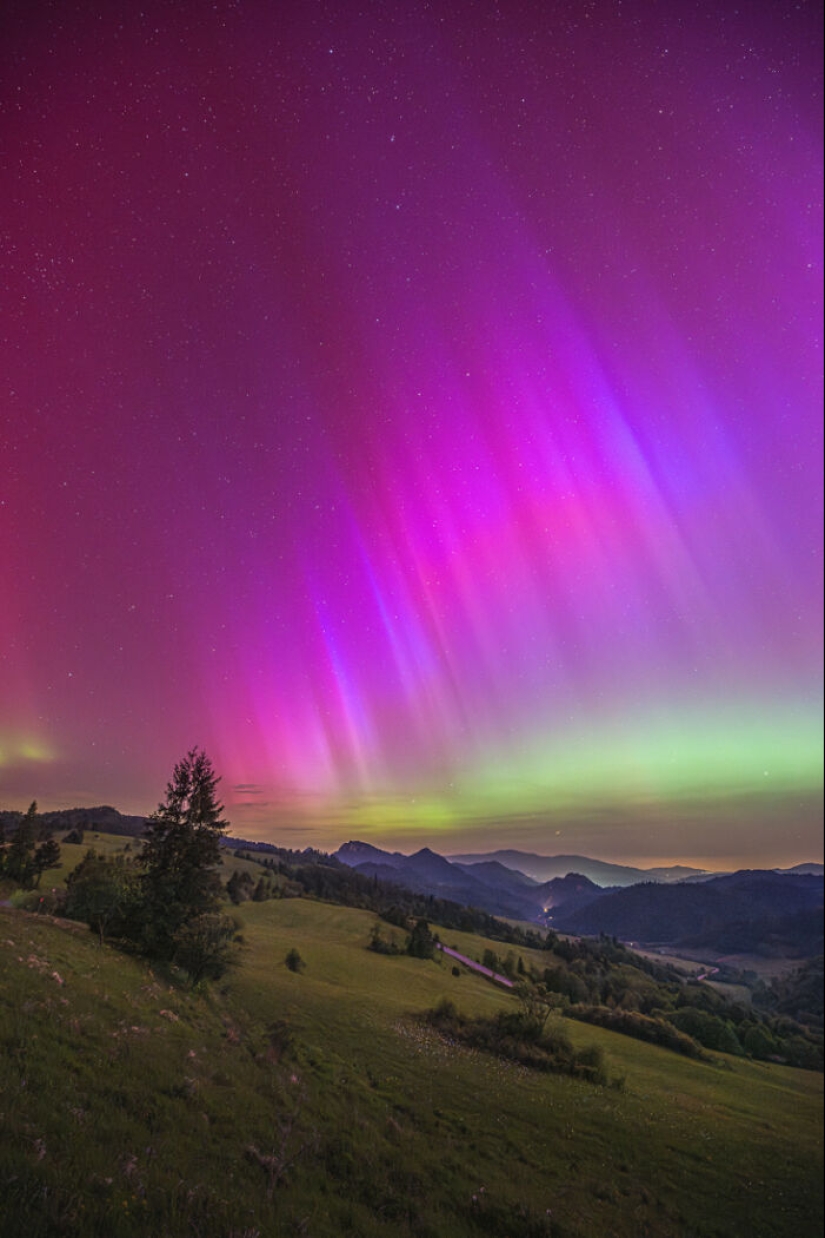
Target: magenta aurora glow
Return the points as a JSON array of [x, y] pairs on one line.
[[419, 407]]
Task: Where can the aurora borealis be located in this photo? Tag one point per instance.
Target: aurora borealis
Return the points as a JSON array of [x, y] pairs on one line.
[[419, 407]]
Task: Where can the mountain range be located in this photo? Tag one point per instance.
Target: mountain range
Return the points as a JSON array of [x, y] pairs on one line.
[[545, 867], [774, 911], [490, 886]]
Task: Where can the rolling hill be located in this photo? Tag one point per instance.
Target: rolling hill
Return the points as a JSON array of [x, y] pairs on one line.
[[319, 1103]]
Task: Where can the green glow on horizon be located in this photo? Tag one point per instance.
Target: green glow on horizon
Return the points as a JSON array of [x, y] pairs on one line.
[[656, 759], [729, 748]]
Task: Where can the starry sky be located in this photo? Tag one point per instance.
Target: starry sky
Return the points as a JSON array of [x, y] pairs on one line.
[[418, 406]]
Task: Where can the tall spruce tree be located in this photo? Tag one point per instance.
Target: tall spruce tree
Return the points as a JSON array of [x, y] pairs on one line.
[[181, 856]]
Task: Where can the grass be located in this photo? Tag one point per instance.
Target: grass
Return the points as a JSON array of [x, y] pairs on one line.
[[131, 1106]]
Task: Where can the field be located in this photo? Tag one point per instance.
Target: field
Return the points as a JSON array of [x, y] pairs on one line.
[[764, 968], [315, 1102]]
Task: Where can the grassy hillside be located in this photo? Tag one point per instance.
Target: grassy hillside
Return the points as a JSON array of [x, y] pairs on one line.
[[315, 1103]]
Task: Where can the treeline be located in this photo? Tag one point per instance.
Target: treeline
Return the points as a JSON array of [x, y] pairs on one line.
[[242, 887], [103, 819]]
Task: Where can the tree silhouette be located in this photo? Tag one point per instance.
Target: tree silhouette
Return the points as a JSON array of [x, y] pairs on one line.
[[181, 857], [102, 892], [23, 860], [46, 856], [18, 855], [421, 943]]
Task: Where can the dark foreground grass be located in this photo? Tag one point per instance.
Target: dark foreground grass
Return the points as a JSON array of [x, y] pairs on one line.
[[316, 1103]]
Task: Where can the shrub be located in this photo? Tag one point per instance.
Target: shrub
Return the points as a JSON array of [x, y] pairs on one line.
[[103, 893], [758, 1042], [641, 1026], [445, 1011], [203, 946], [421, 943], [379, 944], [49, 903], [513, 1035], [240, 887], [294, 961]]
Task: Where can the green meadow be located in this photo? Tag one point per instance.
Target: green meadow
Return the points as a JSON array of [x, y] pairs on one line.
[[316, 1102]]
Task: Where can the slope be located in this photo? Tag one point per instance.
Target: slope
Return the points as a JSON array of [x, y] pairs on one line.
[[317, 1103]]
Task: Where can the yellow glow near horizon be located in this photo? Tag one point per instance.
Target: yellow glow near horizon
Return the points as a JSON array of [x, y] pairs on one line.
[[16, 748]]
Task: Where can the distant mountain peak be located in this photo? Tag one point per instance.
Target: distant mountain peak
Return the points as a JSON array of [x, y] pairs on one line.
[[356, 852]]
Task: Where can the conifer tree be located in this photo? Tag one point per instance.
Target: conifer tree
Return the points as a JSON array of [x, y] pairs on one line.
[[23, 860], [19, 852], [46, 856], [181, 857]]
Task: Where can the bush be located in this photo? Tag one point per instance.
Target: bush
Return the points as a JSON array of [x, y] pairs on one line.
[[641, 1026], [102, 893], [379, 944], [513, 1035], [294, 961], [49, 903], [444, 1011], [421, 943], [758, 1042], [203, 946], [708, 1029], [240, 887]]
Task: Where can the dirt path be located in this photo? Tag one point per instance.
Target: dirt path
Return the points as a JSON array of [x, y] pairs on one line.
[[485, 971], [710, 972]]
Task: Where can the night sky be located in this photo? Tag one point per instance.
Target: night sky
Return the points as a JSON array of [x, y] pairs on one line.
[[418, 406]]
